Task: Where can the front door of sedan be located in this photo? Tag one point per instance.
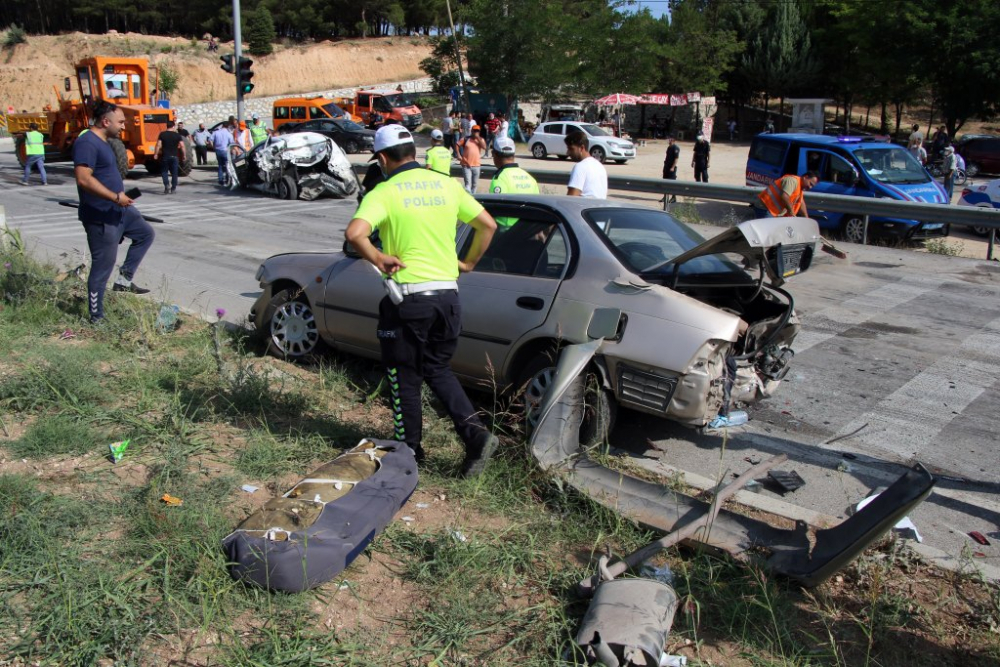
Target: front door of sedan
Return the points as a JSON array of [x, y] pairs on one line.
[[350, 306], [511, 290]]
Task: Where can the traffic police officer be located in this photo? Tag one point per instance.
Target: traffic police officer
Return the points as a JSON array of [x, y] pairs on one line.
[[34, 150], [438, 157], [509, 178], [414, 211], [258, 130]]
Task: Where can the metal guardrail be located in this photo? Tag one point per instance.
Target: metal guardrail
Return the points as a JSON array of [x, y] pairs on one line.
[[966, 216]]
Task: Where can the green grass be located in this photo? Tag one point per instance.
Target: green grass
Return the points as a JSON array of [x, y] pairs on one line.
[[96, 569]]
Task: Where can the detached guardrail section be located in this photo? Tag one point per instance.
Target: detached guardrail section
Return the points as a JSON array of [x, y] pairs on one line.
[[964, 216]]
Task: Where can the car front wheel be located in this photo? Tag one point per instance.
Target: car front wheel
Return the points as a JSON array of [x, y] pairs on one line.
[[538, 151], [292, 332], [598, 154], [600, 409], [287, 188], [972, 169], [853, 229], [351, 147]]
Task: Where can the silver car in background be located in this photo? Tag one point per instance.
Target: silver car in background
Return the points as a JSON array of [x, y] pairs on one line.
[[704, 324]]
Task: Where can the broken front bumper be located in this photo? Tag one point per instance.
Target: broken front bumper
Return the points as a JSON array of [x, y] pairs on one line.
[[805, 553]]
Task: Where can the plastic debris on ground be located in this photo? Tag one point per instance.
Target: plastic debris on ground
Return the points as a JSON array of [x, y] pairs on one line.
[[663, 573], [118, 450], [67, 335], [734, 418], [459, 536], [905, 528], [167, 319], [408, 519], [250, 488], [173, 501], [786, 481], [980, 538], [422, 506], [673, 661]]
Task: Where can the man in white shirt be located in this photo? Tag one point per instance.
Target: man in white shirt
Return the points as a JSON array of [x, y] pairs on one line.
[[588, 178]]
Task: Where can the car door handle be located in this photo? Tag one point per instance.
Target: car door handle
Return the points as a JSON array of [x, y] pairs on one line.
[[530, 303]]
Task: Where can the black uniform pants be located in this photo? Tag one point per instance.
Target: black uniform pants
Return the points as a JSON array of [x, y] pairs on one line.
[[418, 338], [103, 241], [701, 171]]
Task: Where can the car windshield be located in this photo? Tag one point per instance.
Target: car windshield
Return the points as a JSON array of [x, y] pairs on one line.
[[348, 125], [396, 101], [334, 110], [891, 165], [644, 239], [595, 131]]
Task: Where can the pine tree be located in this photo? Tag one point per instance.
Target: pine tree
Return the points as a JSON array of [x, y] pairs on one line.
[[260, 32]]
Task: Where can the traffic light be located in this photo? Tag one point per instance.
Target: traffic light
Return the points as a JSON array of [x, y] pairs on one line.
[[227, 63], [244, 75]]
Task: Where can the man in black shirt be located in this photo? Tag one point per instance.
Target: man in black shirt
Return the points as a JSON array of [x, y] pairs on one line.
[[699, 161], [169, 150], [670, 164]]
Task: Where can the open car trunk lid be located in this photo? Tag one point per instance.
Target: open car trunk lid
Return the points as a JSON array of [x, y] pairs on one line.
[[786, 245]]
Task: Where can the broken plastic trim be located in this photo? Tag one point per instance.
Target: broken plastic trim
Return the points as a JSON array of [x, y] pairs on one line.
[[555, 444]]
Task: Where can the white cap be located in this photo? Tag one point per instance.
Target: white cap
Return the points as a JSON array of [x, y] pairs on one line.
[[255, 117], [948, 150], [388, 136], [504, 146], [437, 134]]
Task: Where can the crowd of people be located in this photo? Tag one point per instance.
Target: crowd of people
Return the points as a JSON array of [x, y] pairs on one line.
[[942, 153]]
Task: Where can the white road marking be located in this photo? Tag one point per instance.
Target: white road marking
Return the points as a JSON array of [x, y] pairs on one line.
[[850, 313], [910, 418]]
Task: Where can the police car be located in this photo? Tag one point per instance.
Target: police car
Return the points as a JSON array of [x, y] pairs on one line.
[[985, 196]]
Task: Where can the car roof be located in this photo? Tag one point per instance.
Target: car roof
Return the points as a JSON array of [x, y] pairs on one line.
[[822, 140]]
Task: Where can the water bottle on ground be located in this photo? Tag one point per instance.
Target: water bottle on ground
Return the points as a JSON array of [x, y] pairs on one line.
[[734, 418], [167, 319]]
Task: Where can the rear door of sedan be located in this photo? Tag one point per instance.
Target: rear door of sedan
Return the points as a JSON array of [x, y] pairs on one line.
[[512, 288]]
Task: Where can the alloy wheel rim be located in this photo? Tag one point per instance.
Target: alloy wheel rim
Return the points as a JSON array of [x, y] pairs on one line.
[[293, 329]]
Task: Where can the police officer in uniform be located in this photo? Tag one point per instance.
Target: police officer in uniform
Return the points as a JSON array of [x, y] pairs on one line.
[[34, 150], [509, 178], [438, 157], [258, 130], [414, 211]]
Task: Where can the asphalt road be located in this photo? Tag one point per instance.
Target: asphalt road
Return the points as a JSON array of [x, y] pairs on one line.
[[897, 362]]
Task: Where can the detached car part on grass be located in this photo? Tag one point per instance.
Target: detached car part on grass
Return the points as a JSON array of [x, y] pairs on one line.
[[302, 165], [314, 531], [804, 553]]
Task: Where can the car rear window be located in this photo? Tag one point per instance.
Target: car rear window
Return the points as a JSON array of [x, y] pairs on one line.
[[768, 152]]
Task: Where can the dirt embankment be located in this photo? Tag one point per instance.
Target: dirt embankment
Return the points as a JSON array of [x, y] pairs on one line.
[[29, 71]]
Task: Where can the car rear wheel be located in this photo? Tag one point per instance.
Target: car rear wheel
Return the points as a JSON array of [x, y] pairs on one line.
[[538, 151], [853, 229], [981, 231], [598, 154], [288, 188], [600, 408], [291, 329], [972, 169], [351, 147]]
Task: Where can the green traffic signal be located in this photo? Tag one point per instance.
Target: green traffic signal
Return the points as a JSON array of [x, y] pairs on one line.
[[244, 75]]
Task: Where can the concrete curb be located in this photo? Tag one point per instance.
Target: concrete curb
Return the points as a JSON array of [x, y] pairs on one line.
[[936, 557]]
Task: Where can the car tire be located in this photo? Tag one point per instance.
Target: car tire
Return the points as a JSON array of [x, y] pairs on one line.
[[852, 229], [121, 155], [981, 231], [351, 147], [290, 327], [598, 154], [288, 188], [600, 411], [972, 169], [538, 151]]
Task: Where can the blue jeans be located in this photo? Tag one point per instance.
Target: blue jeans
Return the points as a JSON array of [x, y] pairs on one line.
[[949, 185], [169, 167], [39, 161], [103, 240], [222, 157]]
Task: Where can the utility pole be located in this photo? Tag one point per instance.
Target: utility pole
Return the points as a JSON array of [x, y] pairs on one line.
[[458, 58], [238, 44]]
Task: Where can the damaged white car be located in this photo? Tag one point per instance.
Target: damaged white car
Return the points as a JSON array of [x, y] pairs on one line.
[[704, 325], [303, 165]]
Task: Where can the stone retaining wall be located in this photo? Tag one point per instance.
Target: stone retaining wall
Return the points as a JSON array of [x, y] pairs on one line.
[[212, 112]]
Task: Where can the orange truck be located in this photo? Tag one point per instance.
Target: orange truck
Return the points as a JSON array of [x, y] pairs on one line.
[[301, 109], [389, 103], [122, 81]]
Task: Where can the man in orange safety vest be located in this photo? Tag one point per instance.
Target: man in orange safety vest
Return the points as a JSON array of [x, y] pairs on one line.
[[785, 197]]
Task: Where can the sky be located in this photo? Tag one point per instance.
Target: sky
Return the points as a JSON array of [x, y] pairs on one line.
[[657, 7]]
